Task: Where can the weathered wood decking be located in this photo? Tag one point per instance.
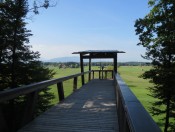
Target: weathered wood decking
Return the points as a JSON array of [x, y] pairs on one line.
[[91, 108]]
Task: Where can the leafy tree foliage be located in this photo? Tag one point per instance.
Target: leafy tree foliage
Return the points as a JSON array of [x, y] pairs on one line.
[[18, 64], [157, 34]]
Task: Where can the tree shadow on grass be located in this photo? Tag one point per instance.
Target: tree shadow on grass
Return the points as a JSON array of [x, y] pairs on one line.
[[132, 86], [160, 124]]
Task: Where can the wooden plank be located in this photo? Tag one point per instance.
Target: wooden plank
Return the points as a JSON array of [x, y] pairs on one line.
[[91, 108]]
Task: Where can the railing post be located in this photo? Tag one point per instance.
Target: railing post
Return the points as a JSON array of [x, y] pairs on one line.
[[29, 112], [82, 79], [89, 69], [82, 68], [89, 76], [99, 75], [106, 74], [120, 114], [60, 91], [3, 126], [93, 74], [112, 74], [75, 84]]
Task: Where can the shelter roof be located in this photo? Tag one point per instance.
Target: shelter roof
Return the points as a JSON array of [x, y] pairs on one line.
[[98, 53]]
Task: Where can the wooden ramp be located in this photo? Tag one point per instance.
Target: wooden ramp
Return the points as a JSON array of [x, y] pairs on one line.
[[90, 109]]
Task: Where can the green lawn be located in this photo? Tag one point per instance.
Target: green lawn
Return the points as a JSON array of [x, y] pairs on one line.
[[130, 75], [68, 85]]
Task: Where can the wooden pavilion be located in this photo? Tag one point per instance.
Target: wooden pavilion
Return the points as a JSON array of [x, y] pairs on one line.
[[97, 54]]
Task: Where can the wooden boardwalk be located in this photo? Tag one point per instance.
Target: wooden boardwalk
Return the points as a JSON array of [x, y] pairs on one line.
[[90, 109]]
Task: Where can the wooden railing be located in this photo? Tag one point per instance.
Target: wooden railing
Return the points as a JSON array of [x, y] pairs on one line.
[[13, 93], [132, 116], [102, 74], [32, 90]]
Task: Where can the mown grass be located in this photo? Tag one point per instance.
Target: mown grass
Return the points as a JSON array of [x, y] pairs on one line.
[[130, 74], [139, 86], [68, 85]]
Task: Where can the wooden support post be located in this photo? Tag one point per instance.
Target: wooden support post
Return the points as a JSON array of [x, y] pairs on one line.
[[115, 63], [93, 74], [99, 75], [60, 91], [82, 68], [3, 126], [75, 84], [29, 112], [106, 74], [112, 73], [89, 69]]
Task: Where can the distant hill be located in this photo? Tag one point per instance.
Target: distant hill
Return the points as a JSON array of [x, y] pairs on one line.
[[77, 59], [72, 59], [64, 59]]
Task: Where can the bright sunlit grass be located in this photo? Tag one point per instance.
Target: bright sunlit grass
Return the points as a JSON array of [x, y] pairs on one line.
[[139, 86]]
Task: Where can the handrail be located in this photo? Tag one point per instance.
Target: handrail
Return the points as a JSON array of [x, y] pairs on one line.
[[101, 76], [103, 70], [31, 92], [12, 93], [132, 115], [15, 92]]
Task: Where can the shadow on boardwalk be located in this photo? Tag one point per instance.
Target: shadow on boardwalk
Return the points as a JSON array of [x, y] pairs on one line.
[[91, 108]]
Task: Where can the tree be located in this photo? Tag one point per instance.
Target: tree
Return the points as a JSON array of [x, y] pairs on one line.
[[157, 34], [18, 64]]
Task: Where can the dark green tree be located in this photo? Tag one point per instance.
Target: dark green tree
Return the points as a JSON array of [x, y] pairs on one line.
[[157, 34], [18, 64]]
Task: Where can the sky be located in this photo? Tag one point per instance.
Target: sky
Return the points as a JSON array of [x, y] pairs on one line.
[[78, 25]]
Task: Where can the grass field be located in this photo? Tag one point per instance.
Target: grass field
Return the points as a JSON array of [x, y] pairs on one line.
[[130, 75], [68, 85]]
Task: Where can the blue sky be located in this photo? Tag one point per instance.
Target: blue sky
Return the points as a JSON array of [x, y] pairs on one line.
[[76, 25]]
